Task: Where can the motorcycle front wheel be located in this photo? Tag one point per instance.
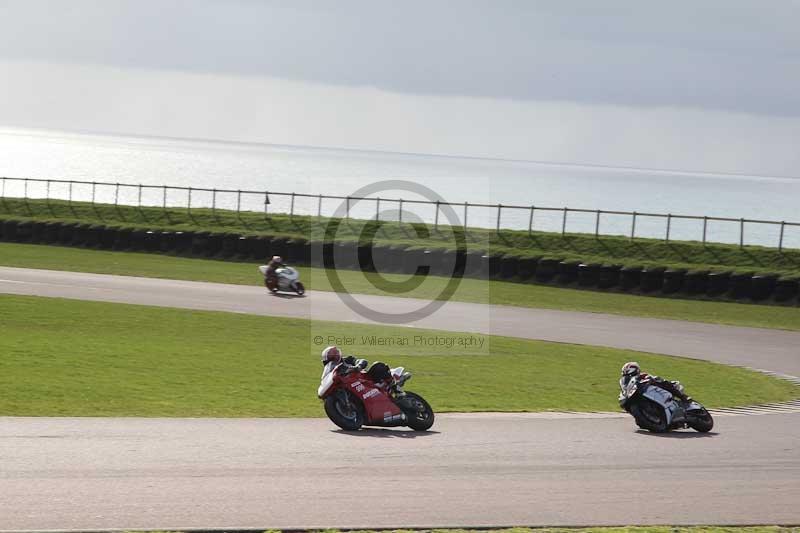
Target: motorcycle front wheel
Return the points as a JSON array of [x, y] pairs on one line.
[[344, 411], [700, 420], [299, 288], [650, 416], [419, 412]]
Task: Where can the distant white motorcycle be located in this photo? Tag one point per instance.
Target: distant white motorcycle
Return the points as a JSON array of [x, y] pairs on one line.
[[286, 279]]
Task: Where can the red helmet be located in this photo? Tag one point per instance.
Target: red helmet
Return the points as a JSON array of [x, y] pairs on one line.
[[331, 354]]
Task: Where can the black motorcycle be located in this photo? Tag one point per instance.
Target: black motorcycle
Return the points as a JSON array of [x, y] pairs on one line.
[[658, 410]]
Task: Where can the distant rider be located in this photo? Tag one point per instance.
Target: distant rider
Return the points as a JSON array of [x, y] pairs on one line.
[[632, 369], [271, 277], [378, 372]]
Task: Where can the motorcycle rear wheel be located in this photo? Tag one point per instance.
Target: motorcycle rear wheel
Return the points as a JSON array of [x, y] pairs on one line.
[[701, 421], [420, 415], [649, 416], [348, 418]]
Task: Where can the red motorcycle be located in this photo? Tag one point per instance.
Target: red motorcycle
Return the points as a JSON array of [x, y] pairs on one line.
[[354, 399]]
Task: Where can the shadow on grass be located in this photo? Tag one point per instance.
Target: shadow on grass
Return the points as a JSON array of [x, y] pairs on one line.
[[386, 433]]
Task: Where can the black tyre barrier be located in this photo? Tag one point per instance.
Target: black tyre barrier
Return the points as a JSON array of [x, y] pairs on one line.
[[568, 272], [37, 231], [375, 258], [79, 234], [297, 251], [588, 274], [51, 231], [24, 231], [229, 243], [741, 285], [673, 280], [609, 276], [66, 233], [123, 240], [718, 283], [485, 270], [630, 277], [321, 254], [261, 247], [278, 246], [494, 265], [473, 264], [94, 234], [214, 246], [652, 279], [107, 237], [396, 254], [786, 289], [547, 269], [2, 230], [346, 255], [453, 263], [166, 241], [413, 258], [244, 247], [436, 258], [138, 239], [762, 287], [200, 242], [527, 267], [152, 241], [10, 230], [509, 266], [696, 282]]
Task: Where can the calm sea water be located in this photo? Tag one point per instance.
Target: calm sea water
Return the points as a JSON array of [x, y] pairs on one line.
[[201, 164]]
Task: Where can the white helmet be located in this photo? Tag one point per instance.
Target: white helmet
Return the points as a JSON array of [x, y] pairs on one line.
[[631, 369], [331, 354], [277, 259]]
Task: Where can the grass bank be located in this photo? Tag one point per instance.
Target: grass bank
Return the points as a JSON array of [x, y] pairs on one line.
[[74, 358], [586, 248], [470, 290]]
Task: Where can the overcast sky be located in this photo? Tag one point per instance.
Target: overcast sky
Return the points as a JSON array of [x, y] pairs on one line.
[[711, 86]]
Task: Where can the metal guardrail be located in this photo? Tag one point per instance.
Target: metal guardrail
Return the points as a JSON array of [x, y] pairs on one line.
[[264, 198]]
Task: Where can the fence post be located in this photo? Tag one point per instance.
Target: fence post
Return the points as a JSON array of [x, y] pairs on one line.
[[347, 208], [466, 206], [400, 216], [319, 206], [140, 197], [291, 208], [564, 223], [633, 226], [499, 209], [266, 204], [705, 227], [378, 209], [189, 204], [69, 198], [530, 220], [116, 194], [3, 190], [47, 194], [214, 203], [741, 233], [669, 222], [780, 240], [597, 225], [164, 200], [238, 202], [436, 219], [94, 187]]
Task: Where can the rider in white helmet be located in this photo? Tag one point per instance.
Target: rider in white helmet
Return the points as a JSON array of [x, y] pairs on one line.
[[332, 355], [275, 263], [632, 369]]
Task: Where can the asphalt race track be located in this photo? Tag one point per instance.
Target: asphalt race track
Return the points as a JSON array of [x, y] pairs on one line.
[[472, 470]]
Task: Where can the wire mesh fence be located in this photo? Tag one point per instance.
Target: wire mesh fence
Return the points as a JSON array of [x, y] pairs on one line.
[[530, 218]]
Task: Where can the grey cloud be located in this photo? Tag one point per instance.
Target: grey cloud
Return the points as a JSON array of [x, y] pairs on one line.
[[721, 54]]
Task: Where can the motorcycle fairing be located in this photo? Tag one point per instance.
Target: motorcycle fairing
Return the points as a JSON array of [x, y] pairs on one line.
[[662, 398], [379, 407]]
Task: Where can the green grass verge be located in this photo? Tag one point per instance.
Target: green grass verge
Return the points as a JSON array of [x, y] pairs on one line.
[[75, 358], [587, 248], [470, 290]]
